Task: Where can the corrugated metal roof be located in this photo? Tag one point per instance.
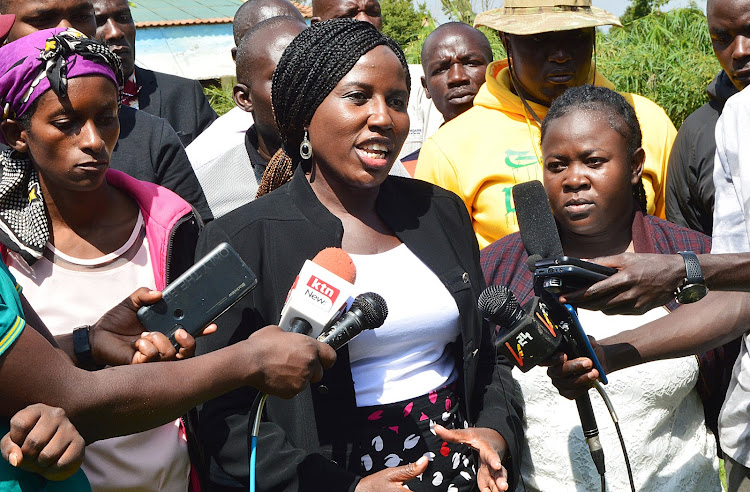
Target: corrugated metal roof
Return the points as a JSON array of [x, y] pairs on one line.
[[162, 13]]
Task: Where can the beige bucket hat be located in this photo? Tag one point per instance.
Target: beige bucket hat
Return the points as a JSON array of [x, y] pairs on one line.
[[525, 17]]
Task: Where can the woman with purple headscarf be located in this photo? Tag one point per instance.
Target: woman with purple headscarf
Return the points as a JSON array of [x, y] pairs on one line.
[[78, 236]]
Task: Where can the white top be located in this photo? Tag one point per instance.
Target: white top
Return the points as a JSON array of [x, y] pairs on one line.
[[229, 181], [227, 131], [731, 234], [72, 292], [661, 418], [424, 118], [407, 356]]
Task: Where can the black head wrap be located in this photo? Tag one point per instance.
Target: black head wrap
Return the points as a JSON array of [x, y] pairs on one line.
[[310, 68]]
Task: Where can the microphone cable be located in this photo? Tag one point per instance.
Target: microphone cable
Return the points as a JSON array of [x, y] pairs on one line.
[[258, 404], [616, 421]]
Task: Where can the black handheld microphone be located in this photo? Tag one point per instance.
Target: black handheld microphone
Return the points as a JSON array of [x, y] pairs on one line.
[[528, 339], [541, 239], [536, 222], [368, 311]]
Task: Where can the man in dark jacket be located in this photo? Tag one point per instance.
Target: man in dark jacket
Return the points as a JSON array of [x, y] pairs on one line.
[[178, 100], [690, 186]]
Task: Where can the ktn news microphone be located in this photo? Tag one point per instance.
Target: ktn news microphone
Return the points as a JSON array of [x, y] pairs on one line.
[[541, 239], [320, 293]]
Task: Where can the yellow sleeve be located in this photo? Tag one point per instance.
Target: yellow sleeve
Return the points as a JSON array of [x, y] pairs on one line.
[[434, 167], [660, 191]]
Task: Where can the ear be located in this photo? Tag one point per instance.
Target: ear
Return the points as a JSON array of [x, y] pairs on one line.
[[637, 161], [234, 54], [15, 135], [241, 96], [315, 20], [426, 90]]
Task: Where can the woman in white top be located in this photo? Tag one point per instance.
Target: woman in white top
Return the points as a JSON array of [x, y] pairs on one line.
[[339, 95]]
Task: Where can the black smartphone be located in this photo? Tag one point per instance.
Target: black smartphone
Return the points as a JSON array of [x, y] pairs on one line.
[[200, 295], [567, 274]]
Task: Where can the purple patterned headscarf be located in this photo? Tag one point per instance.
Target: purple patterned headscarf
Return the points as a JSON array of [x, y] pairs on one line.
[[46, 59], [29, 67]]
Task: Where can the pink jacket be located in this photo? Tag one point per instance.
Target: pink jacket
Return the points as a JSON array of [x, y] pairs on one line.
[[162, 211]]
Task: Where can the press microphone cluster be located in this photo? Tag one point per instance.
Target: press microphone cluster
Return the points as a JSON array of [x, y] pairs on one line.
[[316, 303], [530, 339], [551, 327]]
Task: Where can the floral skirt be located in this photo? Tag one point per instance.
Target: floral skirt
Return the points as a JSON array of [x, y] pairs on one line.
[[399, 433]]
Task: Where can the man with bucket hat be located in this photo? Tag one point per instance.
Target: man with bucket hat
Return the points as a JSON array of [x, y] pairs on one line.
[[483, 153]]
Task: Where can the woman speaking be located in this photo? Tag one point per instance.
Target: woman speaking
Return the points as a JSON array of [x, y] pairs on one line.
[[339, 94]]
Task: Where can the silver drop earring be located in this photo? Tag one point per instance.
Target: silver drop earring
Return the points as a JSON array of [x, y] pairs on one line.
[[305, 147]]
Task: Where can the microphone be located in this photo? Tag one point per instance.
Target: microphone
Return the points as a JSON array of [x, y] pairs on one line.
[[320, 293], [368, 311], [535, 220], [531, 339]]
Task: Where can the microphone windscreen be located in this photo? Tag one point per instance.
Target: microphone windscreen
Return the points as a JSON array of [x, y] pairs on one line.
[[531, 262], [535, 220], [498, 304], [338, 262], [373, 307]]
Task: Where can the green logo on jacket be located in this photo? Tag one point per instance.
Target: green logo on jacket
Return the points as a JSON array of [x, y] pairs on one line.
[[519, 158]]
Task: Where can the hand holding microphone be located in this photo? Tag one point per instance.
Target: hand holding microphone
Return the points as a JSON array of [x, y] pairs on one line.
[[285, 362]]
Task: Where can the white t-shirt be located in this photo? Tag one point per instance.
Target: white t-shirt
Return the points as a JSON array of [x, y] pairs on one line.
[[227, 131], [661, 418], [731, 234], [407, 356], [424, 118], [73, 292]]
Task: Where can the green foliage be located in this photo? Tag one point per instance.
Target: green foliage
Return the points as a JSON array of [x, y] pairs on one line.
[[219, 98], [665, 56], [413, 49], [402, 22], [458, 10], [640, 8]]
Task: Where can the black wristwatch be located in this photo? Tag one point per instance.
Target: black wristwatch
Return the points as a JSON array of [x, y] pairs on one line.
[[693, 288], [82, 348]]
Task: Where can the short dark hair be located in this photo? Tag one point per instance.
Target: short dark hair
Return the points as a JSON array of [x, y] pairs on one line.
[[486, 47], [620, 116]]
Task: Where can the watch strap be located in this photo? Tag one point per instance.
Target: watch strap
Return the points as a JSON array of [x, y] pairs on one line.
[[82, 348], [694, 274]]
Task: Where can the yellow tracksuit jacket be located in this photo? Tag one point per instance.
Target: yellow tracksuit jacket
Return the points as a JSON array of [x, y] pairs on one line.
[[481, 154]]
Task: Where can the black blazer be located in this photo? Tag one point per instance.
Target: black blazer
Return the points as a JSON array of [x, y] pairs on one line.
[[178, 100], [148, 149], [303, 439]]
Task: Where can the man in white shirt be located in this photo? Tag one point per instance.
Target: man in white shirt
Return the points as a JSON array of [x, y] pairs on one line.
[[229, 129]]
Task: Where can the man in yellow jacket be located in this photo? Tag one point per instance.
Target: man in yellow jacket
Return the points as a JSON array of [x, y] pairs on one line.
[[481, 154]]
